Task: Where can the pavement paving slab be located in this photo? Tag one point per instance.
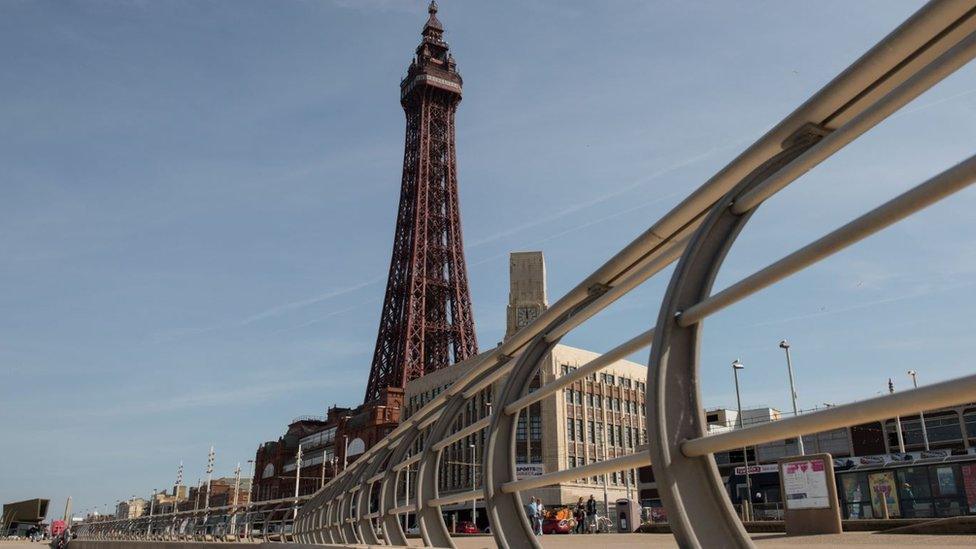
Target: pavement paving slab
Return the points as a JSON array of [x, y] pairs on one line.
[[766, 541]]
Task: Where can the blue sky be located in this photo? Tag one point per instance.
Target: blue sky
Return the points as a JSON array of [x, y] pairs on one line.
[[198, 202]]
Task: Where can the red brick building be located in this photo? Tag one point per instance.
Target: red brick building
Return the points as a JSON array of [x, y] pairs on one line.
[[328, 443]]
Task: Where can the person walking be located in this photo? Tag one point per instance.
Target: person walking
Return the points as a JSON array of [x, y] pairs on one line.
[[540, 510], [591, 515], [533, 514], [579, 513]]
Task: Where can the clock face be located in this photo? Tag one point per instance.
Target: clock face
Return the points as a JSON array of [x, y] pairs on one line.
[[525, 315]]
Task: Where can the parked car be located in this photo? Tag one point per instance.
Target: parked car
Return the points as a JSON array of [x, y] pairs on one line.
[[558, 526], [467, 527]]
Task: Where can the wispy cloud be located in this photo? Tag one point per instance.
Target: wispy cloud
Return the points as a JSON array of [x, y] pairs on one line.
[[302, 303], [215, 396], [923, 106], [922, 292], [586, 204]]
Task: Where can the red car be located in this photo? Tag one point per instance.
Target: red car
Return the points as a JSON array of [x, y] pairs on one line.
[[467, 527], [558, 526]]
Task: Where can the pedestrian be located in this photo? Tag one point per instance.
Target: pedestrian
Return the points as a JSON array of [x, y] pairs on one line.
[[540, 516], [591, 514], [533, 513], [579, 513]]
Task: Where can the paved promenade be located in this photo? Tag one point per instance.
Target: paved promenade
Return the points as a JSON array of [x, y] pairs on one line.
[[766, 541], [627, 541]]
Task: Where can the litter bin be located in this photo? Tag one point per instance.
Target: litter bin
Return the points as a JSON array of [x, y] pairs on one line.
[[627, 515]]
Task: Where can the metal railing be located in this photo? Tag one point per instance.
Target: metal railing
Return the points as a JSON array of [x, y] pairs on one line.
[[366, 501], [933, 43], [266, 521]]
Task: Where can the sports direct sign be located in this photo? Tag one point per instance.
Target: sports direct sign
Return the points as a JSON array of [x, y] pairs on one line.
[[526, 470]]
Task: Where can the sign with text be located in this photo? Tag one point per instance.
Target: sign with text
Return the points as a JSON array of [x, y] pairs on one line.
[[805, 484], [756, 469], [526, 470], [808, 486]]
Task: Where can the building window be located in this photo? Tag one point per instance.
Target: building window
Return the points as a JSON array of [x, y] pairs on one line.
[[591, 428], [579, 430], [569, 396], [599, 433], [570, 429], [589, 399], [535, 427], [613, 437], [628, 440], [970, 418]]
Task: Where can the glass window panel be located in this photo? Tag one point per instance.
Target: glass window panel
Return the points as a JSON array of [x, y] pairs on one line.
[[943, 428], [944, 480]]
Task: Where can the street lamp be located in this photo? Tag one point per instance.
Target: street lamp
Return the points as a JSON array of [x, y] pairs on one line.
[[785, 345], [298, 476], [736, 366], [237, 489], [901, 438], [921, 416], [474, 501], [250, 498], [152, 504]]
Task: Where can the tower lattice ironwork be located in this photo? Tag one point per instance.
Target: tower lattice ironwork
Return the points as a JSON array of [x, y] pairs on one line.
[[426, 322]]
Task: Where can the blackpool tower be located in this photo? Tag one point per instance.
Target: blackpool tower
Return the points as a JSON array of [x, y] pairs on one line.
[[426, 323]]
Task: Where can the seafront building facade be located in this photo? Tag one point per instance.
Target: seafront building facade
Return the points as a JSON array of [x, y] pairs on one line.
[[597, 418]]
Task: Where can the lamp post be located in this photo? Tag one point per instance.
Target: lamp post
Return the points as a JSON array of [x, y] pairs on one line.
[[785, 345], [474, 486], [210, 468], [250, 498], [901, 437], [237, 489], [325, 452], [747, 504], [250, 488], [921, 415], [298, 475], [152, 505], [406, 491]]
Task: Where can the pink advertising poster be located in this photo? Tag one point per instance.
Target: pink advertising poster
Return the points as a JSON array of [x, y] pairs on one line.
[[805, 484], [969, 481]]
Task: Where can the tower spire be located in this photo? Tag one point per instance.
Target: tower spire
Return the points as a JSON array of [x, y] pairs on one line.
[[433, 28], [426, 322]]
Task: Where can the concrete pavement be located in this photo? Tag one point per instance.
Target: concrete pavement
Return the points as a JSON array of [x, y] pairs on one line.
[[765, 541]]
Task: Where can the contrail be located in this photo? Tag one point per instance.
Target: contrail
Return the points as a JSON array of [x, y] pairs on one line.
[[864, 305], [275, 311], [603, 198]]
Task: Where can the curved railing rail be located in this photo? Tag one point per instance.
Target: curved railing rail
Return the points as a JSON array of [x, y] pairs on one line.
[[267, 521], [363, 504]]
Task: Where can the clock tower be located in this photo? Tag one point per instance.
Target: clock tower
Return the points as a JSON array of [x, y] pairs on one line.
[[527, 296]]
